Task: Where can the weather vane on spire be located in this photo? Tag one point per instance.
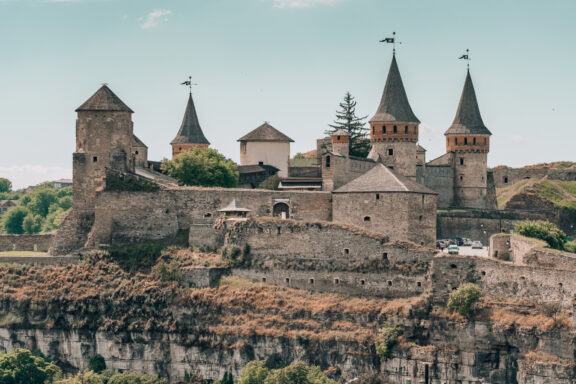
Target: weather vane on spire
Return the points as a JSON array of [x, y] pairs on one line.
[[466, 57], [392, 40], [189, 83]]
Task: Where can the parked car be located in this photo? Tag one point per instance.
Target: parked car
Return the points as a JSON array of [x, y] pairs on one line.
[[459, 241], [477, 245], [466, 242], [453, 249]]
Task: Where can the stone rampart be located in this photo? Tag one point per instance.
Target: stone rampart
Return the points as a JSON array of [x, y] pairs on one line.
[[504, 177], [327, 257], [40, 260], [503, 280], [200, 277], [132, 217], [32, 243]]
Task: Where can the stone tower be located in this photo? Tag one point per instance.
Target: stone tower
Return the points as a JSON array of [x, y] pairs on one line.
[[394, 127], [468, 140], [341, 142], [104, 134], [190, 134]]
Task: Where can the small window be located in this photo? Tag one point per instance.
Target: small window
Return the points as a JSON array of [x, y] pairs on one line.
[[453, 266], [327, 161], [505, 180], [95, 159], [260, 163], [456, 140], [207, 215], [287, 280], [419, 284], [366, 218], [263, 279], [391, 166], [406, 129], [180, 148], [336, 281], [420, 218], [346, 251], [390, 152], [311, 281], [461, 177], [338, 138], [465, 141], [560, 285], [373, 130], [136, 152], [389, 283], [383, 129], [362, 282], [474, 141], [395, 129], [377, 196], [461, 161], [483, 273], [385, 256]]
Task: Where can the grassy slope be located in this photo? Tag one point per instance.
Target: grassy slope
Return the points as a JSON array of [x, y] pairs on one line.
[[561, 193]]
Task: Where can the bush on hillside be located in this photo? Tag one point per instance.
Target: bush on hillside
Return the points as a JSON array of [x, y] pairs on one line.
[[464, 298], [542, 230], [387, 339]]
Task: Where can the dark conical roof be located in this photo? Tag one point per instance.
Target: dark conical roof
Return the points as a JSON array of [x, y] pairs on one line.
[[104, 100], [265, 132], [468, 119], [190, 131], [394, 105]]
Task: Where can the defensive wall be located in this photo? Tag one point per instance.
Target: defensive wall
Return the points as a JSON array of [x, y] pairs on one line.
[[32, 243], [504, 177], [133, 217], [322, 256]]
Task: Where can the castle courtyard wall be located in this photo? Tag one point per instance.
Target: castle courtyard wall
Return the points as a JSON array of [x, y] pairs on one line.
[[32, 243]]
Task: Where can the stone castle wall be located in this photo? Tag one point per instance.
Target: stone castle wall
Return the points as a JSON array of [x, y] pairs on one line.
[[33, 243], [132, 217], [440, 178], [326, 257], [504, 177]]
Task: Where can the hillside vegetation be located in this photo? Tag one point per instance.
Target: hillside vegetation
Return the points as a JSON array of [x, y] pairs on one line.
[[561, 193]]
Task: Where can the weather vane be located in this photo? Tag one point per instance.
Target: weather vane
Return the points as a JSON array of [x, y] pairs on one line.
[[392, 40], [189, 83], [466, 57]]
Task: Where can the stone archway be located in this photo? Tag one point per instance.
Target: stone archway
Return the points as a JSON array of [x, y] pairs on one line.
[[281, 210]]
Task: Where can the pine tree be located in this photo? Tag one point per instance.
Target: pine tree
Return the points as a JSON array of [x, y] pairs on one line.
[[347, 120]]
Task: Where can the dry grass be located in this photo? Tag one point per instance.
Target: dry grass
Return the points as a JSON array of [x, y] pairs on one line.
[[22, 253]]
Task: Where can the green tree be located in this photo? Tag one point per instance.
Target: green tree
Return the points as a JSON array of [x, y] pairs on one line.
[[134, 378], [97, 363], [255, 372], [387, 339], [204, 167], [41, 199], [32, 224], [464, 298], [23, 367], [5, 185], [542, 230], [298, 373], [13, 219], [347, 120]]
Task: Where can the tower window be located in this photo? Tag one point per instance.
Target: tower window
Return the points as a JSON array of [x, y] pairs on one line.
[[385, 256], [180, 148], [461, 177], [362, 282], [383, 129], [346, 251], [395, 129], [95, 159], [136, 152], [406, 129], [390, 152], [389, 283], [338, 138], [311, 281], [484, 140], [327, 161], [367, 218], [505, 179], [474, 141], [373, 130], [456, 141], [465, 141], [377, 196], [336, 281], [461, 161], [287, 280]]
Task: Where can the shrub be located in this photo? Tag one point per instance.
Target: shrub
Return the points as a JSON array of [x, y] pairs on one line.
[[97, 363], [134, 378], [387, 338], [464, 298], [570, 246], [542, 230], [167, 272], [255, 372], [13, 220], [237, 256], [23, 367]]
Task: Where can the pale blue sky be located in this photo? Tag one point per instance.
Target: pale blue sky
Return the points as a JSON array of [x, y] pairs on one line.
[[284, 61]]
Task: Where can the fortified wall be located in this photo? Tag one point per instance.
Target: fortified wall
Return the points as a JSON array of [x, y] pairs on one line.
[[504, 177], [321, 256], [33, 243]]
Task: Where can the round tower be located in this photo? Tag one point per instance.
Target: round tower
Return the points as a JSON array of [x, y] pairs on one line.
[[468, 140], [394, 127], [341, 142]]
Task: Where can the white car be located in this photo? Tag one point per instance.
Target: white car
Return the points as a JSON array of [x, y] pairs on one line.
[[477, 245]]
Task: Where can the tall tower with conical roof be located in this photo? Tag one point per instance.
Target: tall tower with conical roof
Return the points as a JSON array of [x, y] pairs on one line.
[[190, 134], [394, 127], [104, 135], [468, 140]]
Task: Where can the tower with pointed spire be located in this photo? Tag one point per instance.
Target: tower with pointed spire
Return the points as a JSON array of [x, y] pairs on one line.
[[190, 134], [468, 140], [104, 138], [394, 127]]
